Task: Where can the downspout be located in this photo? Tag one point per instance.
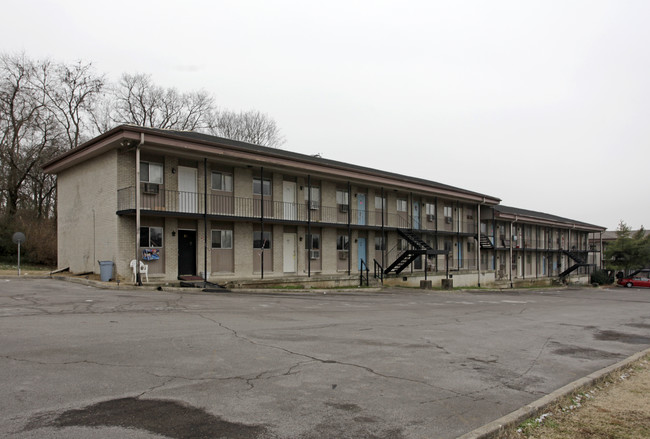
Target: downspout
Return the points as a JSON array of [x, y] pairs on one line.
[[478, 244], [435, 225], [262, 221], [383, 237], [600, 250], [510, 261], [410, 221], [349, 228], [310, 241], [138, 279], [205, 220]]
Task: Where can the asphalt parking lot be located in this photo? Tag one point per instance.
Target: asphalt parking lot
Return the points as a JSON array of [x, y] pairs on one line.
[[81, 362]]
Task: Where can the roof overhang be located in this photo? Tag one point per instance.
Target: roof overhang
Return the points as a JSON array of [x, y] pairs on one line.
[[161, 141], [530, 219]]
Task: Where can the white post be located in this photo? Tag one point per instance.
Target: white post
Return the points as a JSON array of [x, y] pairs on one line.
[[478, 244], [138, 280]]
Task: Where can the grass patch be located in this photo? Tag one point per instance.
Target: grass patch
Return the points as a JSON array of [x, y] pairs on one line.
[[13, 266], [615, 407]]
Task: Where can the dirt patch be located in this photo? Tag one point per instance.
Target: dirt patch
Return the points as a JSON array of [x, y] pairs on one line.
[[618, 407]]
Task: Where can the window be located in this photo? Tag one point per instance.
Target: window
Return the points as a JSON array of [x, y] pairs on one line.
[[151, 236], [380, 244], [401, 205], [259, 240], [402, 244], [341, 197], [222, 239], [378, 205], [259, 185], [315, 194], [430, 209], [447, 211], [151, 172], [314, 240], [222, 181], [470, 247], [342, 243]]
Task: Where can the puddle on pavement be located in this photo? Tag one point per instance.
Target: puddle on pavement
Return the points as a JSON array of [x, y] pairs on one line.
[[622, 337], [583, 353], [163, 417], [639, 325]]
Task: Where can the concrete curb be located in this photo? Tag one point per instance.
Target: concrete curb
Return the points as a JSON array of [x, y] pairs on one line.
[[168, 289], [535, 408]]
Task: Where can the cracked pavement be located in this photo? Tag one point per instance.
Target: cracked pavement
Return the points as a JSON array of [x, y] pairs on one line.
[[397, 364]]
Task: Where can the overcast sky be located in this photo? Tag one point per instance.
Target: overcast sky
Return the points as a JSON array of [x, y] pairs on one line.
[[542, 104]]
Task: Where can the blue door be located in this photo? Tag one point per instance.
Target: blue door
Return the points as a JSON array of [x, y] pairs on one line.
[[361, 209], [416, 215], [362, 251]]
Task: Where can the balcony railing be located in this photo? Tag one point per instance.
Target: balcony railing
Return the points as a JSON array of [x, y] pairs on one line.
[[171, 201]]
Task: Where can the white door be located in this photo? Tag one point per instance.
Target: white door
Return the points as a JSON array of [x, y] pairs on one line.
[[289, 199], [187, 196], [289, 253]]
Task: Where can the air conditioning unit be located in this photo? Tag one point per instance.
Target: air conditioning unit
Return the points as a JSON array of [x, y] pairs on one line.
[[313, 205], [343, 255], [150, 188], [448, 219], [343, 208], [314, 254], [431, 218]]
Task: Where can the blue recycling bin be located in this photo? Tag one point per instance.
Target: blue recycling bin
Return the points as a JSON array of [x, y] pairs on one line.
[[105, 270]]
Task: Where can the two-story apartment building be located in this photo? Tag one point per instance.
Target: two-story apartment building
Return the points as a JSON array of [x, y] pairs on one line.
[[192, 204]]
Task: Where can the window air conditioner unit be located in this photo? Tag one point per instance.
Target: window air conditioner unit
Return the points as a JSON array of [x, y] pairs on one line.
[[314, 254], [448, 219], [150, 188], [431, 217], [343, 255], [343, 208], [313, 205]]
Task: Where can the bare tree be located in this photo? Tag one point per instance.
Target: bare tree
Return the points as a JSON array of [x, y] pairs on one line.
[[139, 101], [26, 127], [73, 93], [249, 126]]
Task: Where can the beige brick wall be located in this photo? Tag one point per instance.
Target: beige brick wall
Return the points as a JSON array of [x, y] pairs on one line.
[[86, 220]]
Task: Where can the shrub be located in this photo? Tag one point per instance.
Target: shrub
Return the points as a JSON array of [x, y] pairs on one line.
[[40, 245], [601, 277]]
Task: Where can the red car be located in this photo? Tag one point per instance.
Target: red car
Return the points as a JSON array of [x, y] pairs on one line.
[[637, 279]]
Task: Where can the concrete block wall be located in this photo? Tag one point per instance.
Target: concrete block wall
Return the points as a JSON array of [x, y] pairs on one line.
[[86, 220]]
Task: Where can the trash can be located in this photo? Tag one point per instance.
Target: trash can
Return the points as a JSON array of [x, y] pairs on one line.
[[105, 270]]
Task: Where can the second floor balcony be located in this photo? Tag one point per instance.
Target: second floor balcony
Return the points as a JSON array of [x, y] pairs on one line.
[[173, 202]]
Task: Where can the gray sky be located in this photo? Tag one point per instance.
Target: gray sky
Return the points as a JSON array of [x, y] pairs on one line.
[[542, 104]]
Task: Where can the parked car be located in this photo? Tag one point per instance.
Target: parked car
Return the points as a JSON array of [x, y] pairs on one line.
[[639, 278]]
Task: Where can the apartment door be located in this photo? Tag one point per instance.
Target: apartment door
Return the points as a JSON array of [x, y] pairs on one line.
[[289, 199], [361, 209], [187, 252], [361, 247], [416, 215], [187, 193], [289, 253]]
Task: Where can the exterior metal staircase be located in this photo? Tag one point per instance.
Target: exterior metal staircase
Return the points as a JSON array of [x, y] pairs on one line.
[[418, 248], [486, 242], [579, 259]]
